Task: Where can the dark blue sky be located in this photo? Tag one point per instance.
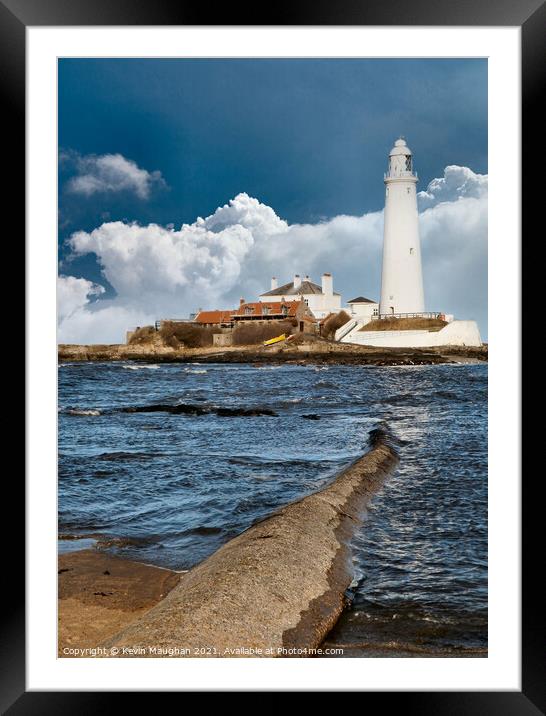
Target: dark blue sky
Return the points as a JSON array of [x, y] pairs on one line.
[[307, 137]]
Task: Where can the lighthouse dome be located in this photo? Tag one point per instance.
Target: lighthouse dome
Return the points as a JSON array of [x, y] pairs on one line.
[[400, 147]]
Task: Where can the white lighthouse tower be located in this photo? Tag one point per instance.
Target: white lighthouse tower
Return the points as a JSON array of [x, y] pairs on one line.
[[402, 278]]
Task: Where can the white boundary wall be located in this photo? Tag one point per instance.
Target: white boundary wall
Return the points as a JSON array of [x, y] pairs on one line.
[[456, 333]]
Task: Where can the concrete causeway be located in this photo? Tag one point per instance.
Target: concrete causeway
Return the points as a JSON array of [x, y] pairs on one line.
[[276, 589]]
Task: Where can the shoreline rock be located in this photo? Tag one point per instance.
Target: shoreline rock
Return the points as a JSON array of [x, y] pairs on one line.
[[189, 409], [302, 353]]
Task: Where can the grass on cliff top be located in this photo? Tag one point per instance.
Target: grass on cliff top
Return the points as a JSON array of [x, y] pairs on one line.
[[189, 335], [248, 333], [173, 335], [192, 335], [142, 336], [405, 324], [333, 323]]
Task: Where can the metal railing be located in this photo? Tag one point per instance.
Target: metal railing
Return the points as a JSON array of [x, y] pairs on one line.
[[400, 175], [424, 314]]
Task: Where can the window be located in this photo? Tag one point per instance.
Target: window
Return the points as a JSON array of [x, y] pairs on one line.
[[408, 163], [376, 312], [411, 251], [249, 310], [408, 190], [265, 310]]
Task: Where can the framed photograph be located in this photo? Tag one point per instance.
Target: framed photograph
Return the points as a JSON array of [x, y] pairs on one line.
[[269, 448]]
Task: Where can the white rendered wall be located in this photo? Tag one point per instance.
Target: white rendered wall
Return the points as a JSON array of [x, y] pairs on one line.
[[362, 311], [321, 305], [457, 333], [401, 279]]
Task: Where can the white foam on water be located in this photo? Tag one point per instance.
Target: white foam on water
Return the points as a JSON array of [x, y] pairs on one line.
[[140, 367]]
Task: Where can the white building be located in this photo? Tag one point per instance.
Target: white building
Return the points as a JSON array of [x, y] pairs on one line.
[[362, 309], [321, 300], [401, 278]]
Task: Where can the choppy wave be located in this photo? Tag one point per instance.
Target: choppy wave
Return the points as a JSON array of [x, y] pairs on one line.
[[105, 542], [292, 462], [145, 366], [122, 455], [202, 530], [423, 399], [82, 411]]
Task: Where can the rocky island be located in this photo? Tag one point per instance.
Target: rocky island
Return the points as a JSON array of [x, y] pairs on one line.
[[301, 350]]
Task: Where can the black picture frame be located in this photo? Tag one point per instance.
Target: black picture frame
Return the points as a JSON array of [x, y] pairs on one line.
[[530, 15]]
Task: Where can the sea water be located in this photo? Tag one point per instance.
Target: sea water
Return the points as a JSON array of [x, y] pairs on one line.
[[170, 489]]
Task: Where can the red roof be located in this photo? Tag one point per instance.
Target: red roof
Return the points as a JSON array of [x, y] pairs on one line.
[[273, 308], [214, 316]]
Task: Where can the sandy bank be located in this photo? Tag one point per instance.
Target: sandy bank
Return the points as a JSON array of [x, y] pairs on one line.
[[100, 594], [278, 586]]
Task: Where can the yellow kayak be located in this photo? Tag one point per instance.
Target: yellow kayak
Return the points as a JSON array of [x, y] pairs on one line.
[[275, 340]]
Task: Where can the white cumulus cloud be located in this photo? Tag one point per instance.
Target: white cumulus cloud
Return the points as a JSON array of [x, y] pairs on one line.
[[101, 173], [73, 294], [456, 184], [161, 272]]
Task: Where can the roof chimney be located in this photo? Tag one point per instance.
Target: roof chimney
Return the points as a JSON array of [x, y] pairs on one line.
[[241, 301], [274, 283], [297, 280], [327, 284]]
